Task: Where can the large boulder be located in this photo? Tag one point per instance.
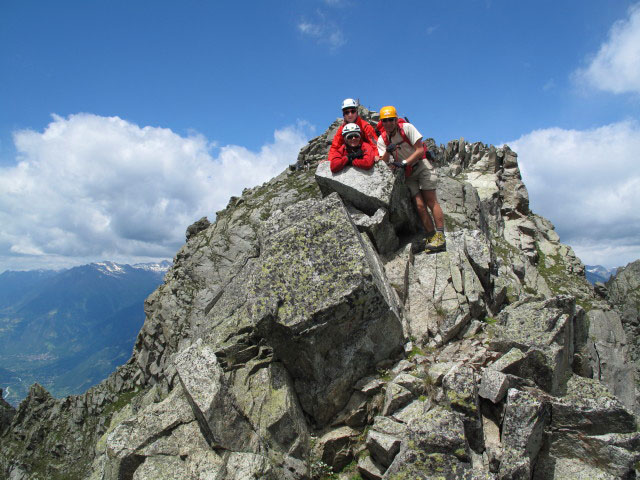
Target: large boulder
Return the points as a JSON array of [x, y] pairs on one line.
[[461, 391], [590, 408], [434, 444], [445, 291], [370, 190], [544, 331], [522, 432], [609, 355], [574, 455], [335, 448], [323, 303], [316, 298], [157, 422], [222, 422], [623, 291]]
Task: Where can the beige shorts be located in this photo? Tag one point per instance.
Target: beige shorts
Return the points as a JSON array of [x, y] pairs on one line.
[[423, 177]]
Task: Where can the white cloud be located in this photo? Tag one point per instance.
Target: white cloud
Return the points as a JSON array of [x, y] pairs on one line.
[[323, 31], [90, 188], [588, 184], [616, 66], [310, 29]]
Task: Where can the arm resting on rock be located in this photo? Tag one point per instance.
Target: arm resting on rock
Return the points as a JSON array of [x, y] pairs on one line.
[[338, 158], [366, 162]]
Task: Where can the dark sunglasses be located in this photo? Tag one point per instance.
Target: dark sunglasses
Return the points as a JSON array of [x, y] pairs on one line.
[[351, 136], [349, 110], [387, 120]]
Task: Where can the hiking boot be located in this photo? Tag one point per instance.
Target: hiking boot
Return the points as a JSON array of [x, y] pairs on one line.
[[417, 246], [437, 243]]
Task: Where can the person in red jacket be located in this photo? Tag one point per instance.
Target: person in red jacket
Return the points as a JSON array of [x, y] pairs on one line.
[[354, 151], [350, 115]]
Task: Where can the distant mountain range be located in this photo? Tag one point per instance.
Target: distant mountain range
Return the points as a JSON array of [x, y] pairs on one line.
[[69, 329], [598, 273]]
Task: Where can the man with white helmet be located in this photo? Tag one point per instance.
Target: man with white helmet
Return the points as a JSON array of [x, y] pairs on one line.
[[400, 146], [353, 152], [350, 115]]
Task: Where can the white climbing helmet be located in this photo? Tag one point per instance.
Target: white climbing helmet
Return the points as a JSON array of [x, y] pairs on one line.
[[349, 103], [351, 128]]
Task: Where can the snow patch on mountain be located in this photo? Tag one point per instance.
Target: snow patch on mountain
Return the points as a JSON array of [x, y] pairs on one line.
[[598, 273], [161, 267], [110, 268]]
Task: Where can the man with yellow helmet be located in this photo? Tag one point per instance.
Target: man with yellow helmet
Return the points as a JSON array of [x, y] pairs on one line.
[[400, 146]]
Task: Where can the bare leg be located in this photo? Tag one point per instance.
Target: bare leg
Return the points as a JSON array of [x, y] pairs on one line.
[[431, 200], [421, 207]]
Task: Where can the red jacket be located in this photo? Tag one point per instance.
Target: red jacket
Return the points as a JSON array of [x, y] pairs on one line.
[[338, 157], [368, 134]]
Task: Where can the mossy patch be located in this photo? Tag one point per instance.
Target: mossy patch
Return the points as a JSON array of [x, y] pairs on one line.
[[414, 352], [461, 401], [122, 400]]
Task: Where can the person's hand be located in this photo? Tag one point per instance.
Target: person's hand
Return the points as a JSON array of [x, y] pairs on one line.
[[399, 164], [391, 147], [431, 155], [355, 154]]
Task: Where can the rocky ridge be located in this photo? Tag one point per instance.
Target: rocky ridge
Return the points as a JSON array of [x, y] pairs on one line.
[[298, 336]]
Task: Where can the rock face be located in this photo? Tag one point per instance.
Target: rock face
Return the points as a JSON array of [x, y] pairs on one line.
[[298, 336], [623, 291], [6, 414]]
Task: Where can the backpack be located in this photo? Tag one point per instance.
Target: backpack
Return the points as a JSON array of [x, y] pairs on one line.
[[401, 121]]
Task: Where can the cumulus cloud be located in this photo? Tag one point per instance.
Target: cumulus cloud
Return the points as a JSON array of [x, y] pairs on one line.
[[588, 184], [89, 188], [323, 31], [616, 66]]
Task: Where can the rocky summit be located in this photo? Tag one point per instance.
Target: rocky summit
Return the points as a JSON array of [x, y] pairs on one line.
[[299, 337]]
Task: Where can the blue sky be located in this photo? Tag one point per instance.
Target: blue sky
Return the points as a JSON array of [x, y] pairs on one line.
[[123, 122]]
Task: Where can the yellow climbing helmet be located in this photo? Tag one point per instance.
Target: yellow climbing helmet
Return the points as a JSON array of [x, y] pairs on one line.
[[388, 112]]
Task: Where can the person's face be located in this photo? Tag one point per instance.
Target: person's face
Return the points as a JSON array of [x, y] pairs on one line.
[[389, 124], [353, 140], [350, 114]]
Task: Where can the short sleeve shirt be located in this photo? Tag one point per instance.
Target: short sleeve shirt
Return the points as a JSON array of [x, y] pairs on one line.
[[404, 150]]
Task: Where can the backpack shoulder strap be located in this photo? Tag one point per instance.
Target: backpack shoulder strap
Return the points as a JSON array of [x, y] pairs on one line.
[[385, 137], [401, 123]]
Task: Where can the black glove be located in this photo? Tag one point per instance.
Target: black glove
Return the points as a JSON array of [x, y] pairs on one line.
[[431, 155], [391, 147], [355, 154], [399, 164]]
